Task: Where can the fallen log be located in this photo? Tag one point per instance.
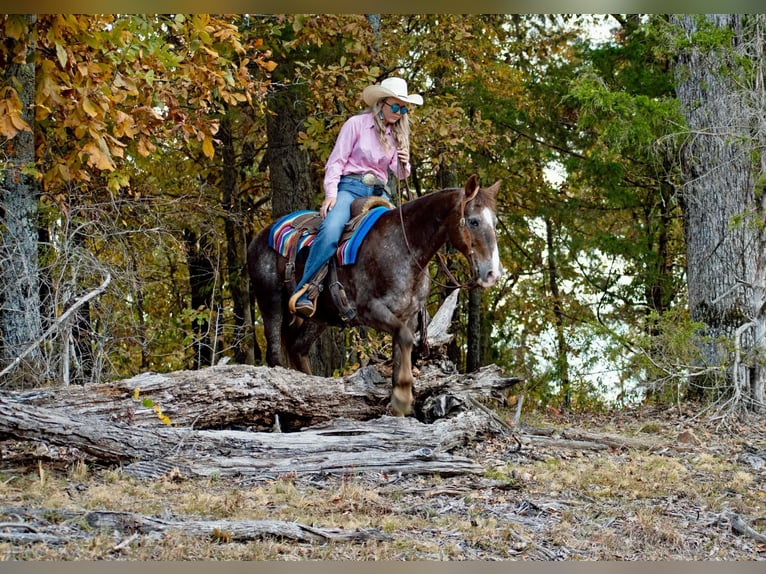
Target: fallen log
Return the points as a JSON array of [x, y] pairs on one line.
[[386, 444], [576, 439], [212, 412], [130, 523], [254, 398]]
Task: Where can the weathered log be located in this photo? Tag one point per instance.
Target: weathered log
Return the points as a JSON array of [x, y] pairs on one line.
[[386, 444], [255, 398], [128, 523], [103, 422], [575, 439]]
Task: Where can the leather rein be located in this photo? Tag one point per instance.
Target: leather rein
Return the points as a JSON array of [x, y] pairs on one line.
[[463, 230]]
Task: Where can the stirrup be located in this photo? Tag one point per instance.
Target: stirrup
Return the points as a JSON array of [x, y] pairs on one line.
[[294, 299]]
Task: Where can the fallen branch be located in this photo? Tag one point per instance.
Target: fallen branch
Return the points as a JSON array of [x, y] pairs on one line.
[[129, 524], [740, 526]]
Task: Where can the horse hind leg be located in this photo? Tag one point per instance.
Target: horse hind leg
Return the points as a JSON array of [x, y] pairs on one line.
[[300, 336], [269, 305]]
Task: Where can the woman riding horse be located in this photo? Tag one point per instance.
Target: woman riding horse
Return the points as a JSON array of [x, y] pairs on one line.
[[388, 284], [369, 145]]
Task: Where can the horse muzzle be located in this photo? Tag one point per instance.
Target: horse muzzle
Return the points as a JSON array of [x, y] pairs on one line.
[[487, 275]]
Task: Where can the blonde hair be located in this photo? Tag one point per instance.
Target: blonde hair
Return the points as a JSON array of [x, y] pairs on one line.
[[399, 130]]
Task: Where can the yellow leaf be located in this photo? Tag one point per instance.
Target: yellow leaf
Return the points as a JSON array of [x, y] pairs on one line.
[[135, 393], [207, 147], [61, 55], [88, 107], [19, 123], [145, 147], [11, 121], [96, 157], [6, 127]]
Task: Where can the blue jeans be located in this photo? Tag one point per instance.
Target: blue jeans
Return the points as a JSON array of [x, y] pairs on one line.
[[326, 241]]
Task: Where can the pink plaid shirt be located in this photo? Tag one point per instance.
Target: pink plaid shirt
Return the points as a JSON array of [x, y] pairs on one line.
[[358, 150]]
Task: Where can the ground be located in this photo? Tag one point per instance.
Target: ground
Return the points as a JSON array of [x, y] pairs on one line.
[[694, 490]]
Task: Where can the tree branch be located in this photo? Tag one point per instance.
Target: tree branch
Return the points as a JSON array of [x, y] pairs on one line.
[[64, 316]]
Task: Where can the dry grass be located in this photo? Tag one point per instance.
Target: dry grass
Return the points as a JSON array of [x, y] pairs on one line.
[[664, 503]]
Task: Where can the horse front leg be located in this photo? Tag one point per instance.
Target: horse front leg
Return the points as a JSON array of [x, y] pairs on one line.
[[402, 379]]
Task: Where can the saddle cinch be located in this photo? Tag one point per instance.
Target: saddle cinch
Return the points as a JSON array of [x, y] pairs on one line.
[[296, 231]]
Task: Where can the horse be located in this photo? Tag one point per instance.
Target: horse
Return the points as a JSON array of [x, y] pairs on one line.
[[388, 285]]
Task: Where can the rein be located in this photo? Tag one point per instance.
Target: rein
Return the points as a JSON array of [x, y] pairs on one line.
[[440, 258]]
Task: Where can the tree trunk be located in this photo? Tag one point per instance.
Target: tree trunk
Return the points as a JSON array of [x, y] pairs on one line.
[[289, 173], [20, 318], [562, 350], [236, 251], [292, 188], [473, 352], [723, 215], [202, 282]]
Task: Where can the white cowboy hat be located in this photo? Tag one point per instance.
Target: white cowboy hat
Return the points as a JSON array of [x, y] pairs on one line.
[[390, 88]]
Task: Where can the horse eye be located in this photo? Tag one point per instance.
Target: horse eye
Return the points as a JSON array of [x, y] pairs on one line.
[[473, 222]]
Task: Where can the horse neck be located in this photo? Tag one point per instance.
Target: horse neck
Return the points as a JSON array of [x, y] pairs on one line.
[[427, 220]]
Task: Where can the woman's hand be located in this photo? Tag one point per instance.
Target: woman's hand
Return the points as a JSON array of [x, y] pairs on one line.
[[327, 205], [404, 156]]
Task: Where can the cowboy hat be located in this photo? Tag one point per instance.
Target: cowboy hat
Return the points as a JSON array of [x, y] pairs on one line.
[[390, 88]]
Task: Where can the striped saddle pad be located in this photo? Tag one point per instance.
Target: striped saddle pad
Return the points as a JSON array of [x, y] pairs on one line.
[[296, 231]]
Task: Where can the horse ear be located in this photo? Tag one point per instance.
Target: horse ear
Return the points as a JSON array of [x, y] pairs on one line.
[[493, 189], [472, 187]]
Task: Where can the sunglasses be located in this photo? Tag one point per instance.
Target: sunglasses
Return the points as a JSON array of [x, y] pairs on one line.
[[397, 108]]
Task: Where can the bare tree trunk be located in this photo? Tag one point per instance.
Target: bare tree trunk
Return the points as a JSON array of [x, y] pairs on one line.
[[110, 428], [20, 317], [562, 350], [202, 282], [473, 352], [236, 251], [257, 398], [723, 215], [292, 188], [289, 173]]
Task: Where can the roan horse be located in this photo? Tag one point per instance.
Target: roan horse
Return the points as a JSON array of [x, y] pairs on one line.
[[389, 283]]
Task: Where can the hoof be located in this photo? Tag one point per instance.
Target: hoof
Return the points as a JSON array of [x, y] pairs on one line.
[[401, 403]]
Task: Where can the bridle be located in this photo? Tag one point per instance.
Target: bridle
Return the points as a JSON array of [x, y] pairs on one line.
[[466, 236]]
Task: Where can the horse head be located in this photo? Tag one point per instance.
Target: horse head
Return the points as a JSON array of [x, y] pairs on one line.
[[475, 234]]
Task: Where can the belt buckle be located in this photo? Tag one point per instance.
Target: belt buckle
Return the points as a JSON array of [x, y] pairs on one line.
[[369, 179]]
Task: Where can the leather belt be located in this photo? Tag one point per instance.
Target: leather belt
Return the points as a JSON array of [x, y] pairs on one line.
[[370, 180]]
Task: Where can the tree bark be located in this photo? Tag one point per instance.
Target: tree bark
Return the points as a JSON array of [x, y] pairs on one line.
[[723, 214], [236, 251], [293, 187], [562, 350], [289, 174], [473, 335], [20, 317]]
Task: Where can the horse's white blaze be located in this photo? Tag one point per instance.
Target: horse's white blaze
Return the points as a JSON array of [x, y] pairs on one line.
[[496, 268]]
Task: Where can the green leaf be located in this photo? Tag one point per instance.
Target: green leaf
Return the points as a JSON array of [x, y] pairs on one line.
[[148, 403], [16, 26]]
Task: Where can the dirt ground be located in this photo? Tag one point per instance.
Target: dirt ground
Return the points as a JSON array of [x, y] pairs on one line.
[[685, 489]]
